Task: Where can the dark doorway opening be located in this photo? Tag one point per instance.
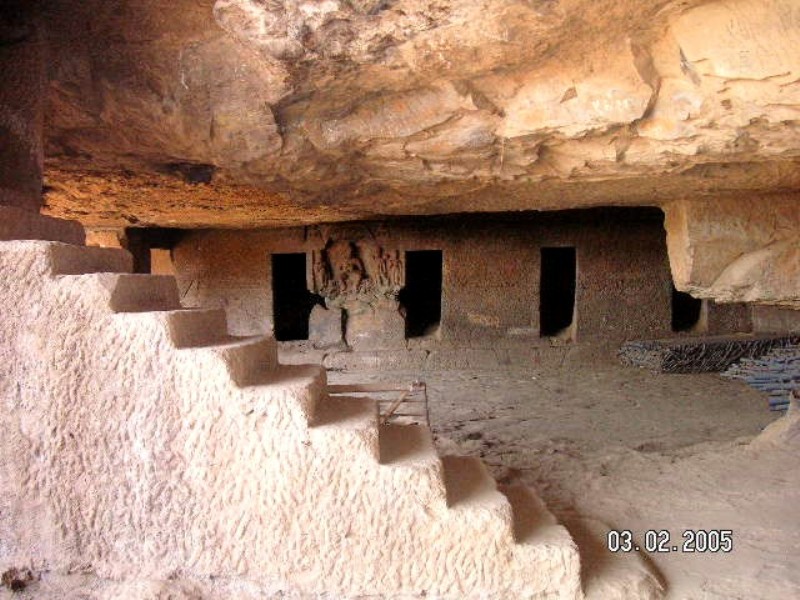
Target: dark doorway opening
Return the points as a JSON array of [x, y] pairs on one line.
[[291, 300], [141, 242], [422, 296], [686, 311], [557, 290]]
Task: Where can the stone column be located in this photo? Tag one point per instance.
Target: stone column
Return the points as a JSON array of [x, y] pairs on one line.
[[22, 98]]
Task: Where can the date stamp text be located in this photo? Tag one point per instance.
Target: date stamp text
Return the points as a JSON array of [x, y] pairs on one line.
[[661, 541]]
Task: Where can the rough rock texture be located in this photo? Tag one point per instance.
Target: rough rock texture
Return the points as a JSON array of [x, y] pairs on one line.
[[325, 327], [245, 112], [21, 224], [491, 277], [140, 441], [22, 95], [736, 251], [772, 318]]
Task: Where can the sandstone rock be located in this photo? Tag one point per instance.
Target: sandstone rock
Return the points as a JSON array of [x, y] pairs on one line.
[[375, 327], [769, 275], [736, 250], [325, 327], [300, 111], [145, 445]]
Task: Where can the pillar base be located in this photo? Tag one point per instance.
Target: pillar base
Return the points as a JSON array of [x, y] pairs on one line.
[[18, 224]]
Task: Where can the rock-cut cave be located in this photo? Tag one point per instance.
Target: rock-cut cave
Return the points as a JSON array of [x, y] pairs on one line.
[[344, 299]]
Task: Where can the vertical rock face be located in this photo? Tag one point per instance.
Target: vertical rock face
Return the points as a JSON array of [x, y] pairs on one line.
[[22, 97], [21, 101], [736, 250]]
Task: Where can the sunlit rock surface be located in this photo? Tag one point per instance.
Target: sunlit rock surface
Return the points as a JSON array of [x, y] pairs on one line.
[[244, 113], [736, 250]]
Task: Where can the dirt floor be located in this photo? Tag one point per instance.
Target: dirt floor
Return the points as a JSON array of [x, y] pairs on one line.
[[638, 451]]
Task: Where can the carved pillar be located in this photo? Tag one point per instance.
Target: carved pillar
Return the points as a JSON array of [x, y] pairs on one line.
[[22, 97], [360, 281]]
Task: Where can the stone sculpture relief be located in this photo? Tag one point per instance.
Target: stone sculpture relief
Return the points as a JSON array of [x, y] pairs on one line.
[[360, 281], [345, 272]]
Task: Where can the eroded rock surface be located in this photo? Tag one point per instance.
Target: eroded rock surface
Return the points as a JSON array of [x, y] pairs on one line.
[[127, 418], [245, 113], [736, 251]]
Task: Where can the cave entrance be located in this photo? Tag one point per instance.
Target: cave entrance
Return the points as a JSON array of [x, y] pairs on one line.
[[422, 296], [687, 312], [557, 290], [291, 300], [151, 248]]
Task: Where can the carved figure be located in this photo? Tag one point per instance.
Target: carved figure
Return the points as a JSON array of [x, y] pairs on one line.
[[345, 272]]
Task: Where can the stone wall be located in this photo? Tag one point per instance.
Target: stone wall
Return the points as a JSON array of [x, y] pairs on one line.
[[773, 319], [22, 94], [491, 274], [21, 109]]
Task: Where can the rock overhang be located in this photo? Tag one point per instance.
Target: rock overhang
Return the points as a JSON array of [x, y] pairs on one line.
[[297, 112]]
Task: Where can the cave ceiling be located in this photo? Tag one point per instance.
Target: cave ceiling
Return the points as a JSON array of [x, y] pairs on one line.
[[248, 113]]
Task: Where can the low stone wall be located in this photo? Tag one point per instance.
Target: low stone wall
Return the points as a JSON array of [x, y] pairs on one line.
[[771, 319]]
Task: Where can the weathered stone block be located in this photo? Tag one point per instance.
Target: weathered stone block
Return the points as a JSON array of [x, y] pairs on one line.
[[736, 250], [375, 327], [325, 327], [19, 224]]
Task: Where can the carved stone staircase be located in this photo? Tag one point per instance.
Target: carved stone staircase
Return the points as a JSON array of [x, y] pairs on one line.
[[141, 440]]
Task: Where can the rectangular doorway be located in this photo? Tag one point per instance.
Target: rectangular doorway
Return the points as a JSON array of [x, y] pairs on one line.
[[421, 298], [687, 312], [291, 300], [557, 290]]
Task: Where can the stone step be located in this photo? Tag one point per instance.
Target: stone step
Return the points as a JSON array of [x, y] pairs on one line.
[[197, 327], [544, 552], [533, 523], [291, 391], [412, 465], [347, 426], [67, 259], [607, 575], [124, 292], [406, 446], [472, 495], [469, 482], [249, 360], [143, 293]]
